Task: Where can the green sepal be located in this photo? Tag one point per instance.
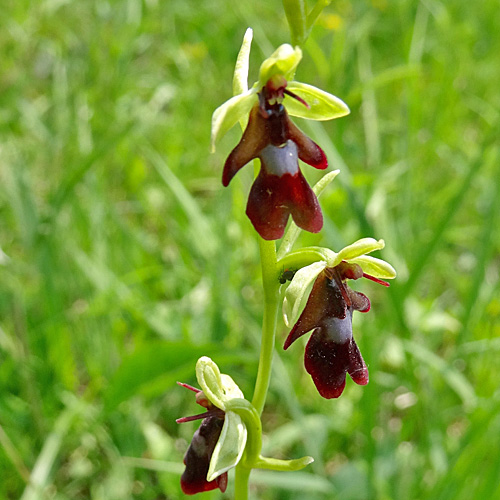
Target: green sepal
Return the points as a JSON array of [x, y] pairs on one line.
[[230, 446], [375, 267], [283, 61], [304, 257], [218, 388], [357, 249], [228, 114], [240, 77], [322, 105], [251, 419], [283, 465]]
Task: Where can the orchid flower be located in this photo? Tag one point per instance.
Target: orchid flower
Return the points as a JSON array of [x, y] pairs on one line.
[[280, 189], [218, 444], [331, 351]]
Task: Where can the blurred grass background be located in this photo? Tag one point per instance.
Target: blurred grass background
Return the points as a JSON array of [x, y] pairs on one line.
[[123, 259]]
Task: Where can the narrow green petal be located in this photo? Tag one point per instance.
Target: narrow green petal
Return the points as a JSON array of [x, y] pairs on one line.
[[360, 247], [297, 292], [240, 79], [209, 379], [228, 114], [230, 446], [375, 267], [283, 61], [323, 106]]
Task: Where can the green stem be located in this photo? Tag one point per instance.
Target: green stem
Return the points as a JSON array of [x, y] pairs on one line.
[[299, 20], [270, 286], [241, 476], [296, 16], [316, 11], [251, 419]]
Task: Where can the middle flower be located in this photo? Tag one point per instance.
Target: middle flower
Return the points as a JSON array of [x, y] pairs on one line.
[[280, 189], [332, 352]]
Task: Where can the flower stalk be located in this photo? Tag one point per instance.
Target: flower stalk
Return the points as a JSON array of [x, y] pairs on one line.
[[241, 477], [270, 286], [281, 64], [317, 299], [296, 16]]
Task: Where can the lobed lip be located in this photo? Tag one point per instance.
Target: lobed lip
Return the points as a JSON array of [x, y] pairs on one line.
[[331, 352], [328, 362], [200, 451]]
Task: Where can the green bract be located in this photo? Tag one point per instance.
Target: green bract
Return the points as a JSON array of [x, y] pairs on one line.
[[320, 258], [227, 116], [220, 389], [322, 105], [283, 62]]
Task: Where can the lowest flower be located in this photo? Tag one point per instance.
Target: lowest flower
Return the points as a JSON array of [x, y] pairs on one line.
[[218, 444]]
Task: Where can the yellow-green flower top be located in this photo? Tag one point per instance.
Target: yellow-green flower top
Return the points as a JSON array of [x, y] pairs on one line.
[[282, 65], [297, 292]]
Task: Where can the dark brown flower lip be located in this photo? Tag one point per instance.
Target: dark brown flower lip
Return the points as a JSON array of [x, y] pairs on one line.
[[198, 456], [201, 448], [280, 190], [329, 362], [273, 199], [331, 351]]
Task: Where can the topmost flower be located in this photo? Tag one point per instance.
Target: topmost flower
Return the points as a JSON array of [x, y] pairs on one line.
[[280, 189]]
